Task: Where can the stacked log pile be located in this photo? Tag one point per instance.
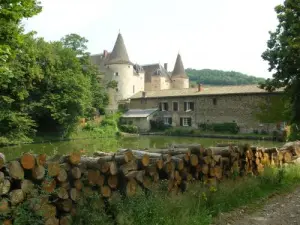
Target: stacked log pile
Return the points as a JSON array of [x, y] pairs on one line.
[[61, 181]]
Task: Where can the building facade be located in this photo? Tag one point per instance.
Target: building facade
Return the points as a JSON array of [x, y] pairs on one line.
[[194, 106]]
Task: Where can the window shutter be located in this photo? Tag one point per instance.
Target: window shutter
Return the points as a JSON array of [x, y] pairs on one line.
[[192, 106], [190, 122], [160, 107], [185, 106], [181, 121]]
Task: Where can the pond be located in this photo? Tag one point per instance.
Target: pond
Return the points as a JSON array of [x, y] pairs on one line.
[[112, 144]]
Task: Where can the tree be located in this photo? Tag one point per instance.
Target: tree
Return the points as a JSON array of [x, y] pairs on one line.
[[99, 95], [283, 55], [76, 43], [14, 124]]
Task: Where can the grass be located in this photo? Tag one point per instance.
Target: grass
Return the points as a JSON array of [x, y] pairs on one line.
[[199, 205]]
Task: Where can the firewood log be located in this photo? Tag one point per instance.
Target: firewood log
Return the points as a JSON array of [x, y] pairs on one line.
[[49, 186], [4, 206], [74, 194], [28, 161], [62, 175], [78, 184], [2, 160], [41, 159], [131, 187], [112, 181], [62, 193], [16, 196], [76, 173], [65, 220], [27, 186], [47, 211], [38, 172], [125, 168], [65, 205], [52, 221], [15, 170], [53, 168], [5, 186], [105, 191], [194, 160]]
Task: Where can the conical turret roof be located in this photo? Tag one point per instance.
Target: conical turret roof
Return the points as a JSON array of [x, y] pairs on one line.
[[119, 53], [178, 68]]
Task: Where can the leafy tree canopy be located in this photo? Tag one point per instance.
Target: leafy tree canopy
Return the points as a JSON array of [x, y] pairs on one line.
[[44, 86], [283, 55]]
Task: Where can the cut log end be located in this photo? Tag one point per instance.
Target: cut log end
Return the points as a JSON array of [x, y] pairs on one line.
[[28, 161]]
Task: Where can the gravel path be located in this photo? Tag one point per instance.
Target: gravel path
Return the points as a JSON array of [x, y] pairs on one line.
[[278, 210]]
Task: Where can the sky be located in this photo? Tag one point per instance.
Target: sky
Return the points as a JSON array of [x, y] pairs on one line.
[[209, 34]]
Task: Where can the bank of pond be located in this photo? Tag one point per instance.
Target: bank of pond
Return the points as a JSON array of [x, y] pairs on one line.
[[88, 146]]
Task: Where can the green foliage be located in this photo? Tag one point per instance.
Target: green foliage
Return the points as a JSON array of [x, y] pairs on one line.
[[219, 77], [283, 55], [278, 105], [47, 87], [158, 125], [220, 127], [24, 215], [90, 210], [129, 128], [294, 133]]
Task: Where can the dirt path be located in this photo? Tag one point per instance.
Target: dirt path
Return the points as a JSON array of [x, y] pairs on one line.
[[278, 210]]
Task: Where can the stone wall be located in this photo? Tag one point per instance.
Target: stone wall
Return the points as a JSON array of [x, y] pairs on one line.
[[239, 108]]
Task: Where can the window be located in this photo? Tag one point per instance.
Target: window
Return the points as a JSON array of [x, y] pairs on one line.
[[143, 101], [185, 121], [117, 89], [133, 88], [175, 106], [168, 120], [163, 106], [214, 101], [188, 106], [116, 74]]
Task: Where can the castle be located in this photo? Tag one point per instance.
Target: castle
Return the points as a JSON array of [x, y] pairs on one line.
[[151, 92], [132, 78]]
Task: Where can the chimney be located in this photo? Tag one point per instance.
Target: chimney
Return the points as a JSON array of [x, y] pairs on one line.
[[143, 94], [166, 66], [200, 87], [105, 53]]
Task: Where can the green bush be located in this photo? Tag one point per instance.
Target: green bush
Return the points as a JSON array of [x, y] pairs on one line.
[[158, 125], [220, 127], [294, 133], [109, 122], [129, 128]]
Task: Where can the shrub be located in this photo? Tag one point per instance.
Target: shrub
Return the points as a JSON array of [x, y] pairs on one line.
[[220, 127], [264, 132], [109, 122], [129, 128], [255, 131], [158, 125]]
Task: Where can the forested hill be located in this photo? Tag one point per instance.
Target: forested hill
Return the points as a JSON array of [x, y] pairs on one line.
[[219, 77]]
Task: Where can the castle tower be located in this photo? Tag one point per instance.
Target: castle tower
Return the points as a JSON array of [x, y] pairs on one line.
[[120, 69], [179, 78]]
